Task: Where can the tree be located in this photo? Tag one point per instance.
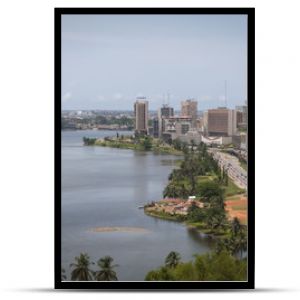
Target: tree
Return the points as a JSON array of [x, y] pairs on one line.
[[81, 271], [211, 192], [89, 141], [175, 189], [173, 259], [162, 274], [185, 148], [177, 144], [216, 218], [206, 267], [196, 214], [147, 144], [217, 201], [235, 226], [106, 272]]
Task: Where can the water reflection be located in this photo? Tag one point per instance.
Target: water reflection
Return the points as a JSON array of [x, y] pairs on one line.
[[200, 237]]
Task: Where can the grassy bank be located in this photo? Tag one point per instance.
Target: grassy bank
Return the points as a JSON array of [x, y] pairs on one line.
[[142, 144], [200, 226]]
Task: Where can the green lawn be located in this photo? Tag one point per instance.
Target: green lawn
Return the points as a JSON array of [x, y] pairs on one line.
[[244, 165], [239, 207], [232, 189]]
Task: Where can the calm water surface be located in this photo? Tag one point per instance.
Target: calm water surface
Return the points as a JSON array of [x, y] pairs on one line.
[[103, 187]]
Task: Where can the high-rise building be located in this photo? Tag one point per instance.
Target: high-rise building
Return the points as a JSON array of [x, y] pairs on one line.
[[141, 115], [155, 128], [164, 112], [220, 122], [189, 109], [242, 118], [177, 125]]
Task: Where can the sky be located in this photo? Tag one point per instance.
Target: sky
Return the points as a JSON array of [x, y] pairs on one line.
[[109, 60]]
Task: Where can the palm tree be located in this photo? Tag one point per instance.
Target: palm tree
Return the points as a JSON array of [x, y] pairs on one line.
[[173, 259], [81, 271], [106, 272], [63, 274]]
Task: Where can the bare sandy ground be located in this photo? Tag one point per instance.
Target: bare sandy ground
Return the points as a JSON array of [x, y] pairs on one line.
[[119, 229], [232, 211]]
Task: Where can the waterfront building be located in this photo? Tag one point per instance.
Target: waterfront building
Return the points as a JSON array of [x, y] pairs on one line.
[[182, 127], [242, 118], [164, 112], [141, 115], [189, 109], [220, 122], [155, 128], [176, 126]]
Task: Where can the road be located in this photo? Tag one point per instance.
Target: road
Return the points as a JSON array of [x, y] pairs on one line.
[[232, 166]]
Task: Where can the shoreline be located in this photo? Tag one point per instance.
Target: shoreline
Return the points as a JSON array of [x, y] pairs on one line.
[[119, 144], [166, 217]]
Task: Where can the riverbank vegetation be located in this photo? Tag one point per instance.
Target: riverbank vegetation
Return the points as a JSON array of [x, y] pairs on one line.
[[207, 267], [200, 176], [140, 143], [225, 263]]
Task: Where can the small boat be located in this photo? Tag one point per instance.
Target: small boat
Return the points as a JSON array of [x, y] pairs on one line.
[[141, 207]]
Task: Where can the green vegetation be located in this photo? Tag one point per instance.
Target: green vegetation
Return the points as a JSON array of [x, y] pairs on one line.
[[82, 269], [213, 266], [224, 263], [122, 121], [89, 141], [199, 175], [196, 171], [173, 259], [232, 189], [106, 272], [140, 143], [244, 165], [236, 242]]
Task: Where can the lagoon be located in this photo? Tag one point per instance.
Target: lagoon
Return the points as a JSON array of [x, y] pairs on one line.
[[104, 188]]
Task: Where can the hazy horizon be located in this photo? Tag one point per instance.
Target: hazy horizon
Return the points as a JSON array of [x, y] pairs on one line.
[[109, 60]]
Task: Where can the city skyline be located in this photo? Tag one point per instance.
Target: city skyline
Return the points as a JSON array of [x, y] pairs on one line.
[[111, 60]]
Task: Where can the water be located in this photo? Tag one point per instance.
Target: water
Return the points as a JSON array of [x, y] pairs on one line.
[[103, 187]]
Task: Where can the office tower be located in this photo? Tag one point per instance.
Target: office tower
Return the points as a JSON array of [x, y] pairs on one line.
[[177, 125], [220, 122], [189, 109], [164, 112], [242, 116], [141, 115], [155, 128]]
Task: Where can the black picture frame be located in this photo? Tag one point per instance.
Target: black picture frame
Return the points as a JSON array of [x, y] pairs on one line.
[[144, 285]]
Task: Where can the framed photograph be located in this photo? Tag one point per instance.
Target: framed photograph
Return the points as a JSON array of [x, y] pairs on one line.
[[154, 148]]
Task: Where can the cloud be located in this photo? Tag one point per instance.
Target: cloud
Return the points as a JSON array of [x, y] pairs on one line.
[[66, 96]]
